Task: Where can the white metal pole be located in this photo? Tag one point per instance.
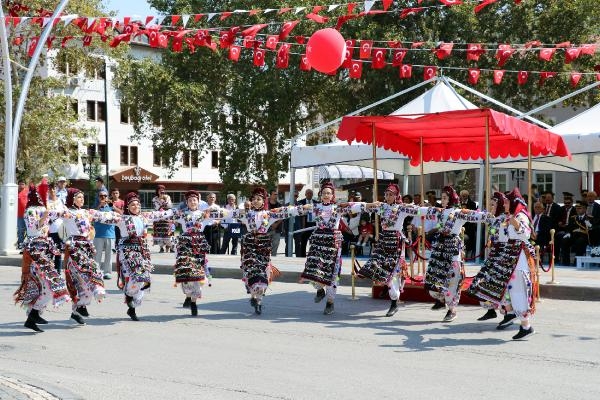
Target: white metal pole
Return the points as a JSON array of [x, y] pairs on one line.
[[290, 232], [590, 177]]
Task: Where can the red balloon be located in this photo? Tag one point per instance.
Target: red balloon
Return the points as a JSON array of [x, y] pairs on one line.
[[326, 50]]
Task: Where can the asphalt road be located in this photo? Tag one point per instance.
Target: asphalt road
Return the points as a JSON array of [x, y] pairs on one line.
[[293, 351]]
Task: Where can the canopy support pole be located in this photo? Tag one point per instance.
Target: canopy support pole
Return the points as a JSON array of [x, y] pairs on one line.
[[375, 195], [590, 174], [290, 232], [529, 176], [480, 193], [405, 177]]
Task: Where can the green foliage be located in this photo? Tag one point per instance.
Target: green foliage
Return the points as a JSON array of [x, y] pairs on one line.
[[205, 100]]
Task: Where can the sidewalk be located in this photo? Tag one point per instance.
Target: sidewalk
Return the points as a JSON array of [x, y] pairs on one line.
[[572, 283]]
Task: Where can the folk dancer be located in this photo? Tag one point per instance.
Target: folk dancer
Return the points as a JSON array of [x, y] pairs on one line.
[[83, 275], [41, 284], [324, 262], [161, 229]]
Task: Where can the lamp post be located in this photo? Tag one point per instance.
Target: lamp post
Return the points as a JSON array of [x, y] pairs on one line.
[[518, 175], [89, 162]]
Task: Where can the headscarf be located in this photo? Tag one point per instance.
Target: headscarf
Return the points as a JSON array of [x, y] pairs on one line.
[[130, 198], [33, 197], [500, 200], [71, 193], [328, 185], [517, 202], [158, 189], [259, 191], [392, 187], [452, 195]]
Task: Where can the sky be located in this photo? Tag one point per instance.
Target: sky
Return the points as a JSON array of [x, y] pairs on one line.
[[130, 7]]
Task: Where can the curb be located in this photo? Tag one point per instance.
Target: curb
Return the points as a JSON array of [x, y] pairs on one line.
[[30, 386]]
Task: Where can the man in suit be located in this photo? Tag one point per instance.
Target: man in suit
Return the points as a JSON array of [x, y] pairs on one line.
[[307, 222], [566, 211], [577, 238], [541, 226], [552, 209], [593, 213]]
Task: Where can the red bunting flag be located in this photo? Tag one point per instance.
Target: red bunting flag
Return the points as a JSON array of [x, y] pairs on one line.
[[259, 57], [532, 43], [588, 49], [398, 56], [378, 60], [225, 15], [163, 41], [545, 75], [498, 75], [575, 78], [283, 56], [474, 74], [226, 39], [253, 30], [546, 54], [300, 39], [522, 77], [87, 40], [287, 28], [65, 39], [355, 70], [450, 3], [474, 51], [349, 51], [387, 4], [443, 51], [429, 72], [366, 46], [572, 54], [410, 11], [503, 54], [234, 52], [152, 37], [563, 45], [304, 64], [483, 5], [416, 45], [405, 71], [272, 41], [124, 37]]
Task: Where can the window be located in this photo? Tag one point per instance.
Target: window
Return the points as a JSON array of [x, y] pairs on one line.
[[125, 115], [101, 111], [102, 153], [124, 155], [186, 159], [194, 160], [74, 107], [133, 155], [214, 159], [91, 110], [499, 181], [156, 156], [91, 151], [544, 181]]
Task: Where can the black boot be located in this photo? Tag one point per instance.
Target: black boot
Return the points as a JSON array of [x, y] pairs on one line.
[[30, 323], [393, 308], [523, 332], [37, 318], [194, 308], [506, 322], [490, 314], [78, 318], [328, 308], [258, 308], [438, 305], [131, 313], [186, 303], [129, 302], [82, 310], [320, 295], [253, 302]]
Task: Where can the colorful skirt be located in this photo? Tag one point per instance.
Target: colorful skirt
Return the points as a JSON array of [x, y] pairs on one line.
[[439, 269], [256, 258], [323, 257], [84, 277], [387, 256], [491, 282], [161, 233], [40, 281], [190, 263], [134, 260]]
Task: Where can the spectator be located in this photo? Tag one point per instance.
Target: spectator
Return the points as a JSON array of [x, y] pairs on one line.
[[105, 236], [577, 238], [21, 205], [552, 209], [365, 232], [296, 225], [232, 228], [307, 222], [61, 189], [212, 232], [566, 211], [99, 188], [276, 228], [432, 199], [535, 194], [593, 213], [417, 199], [541, 226], [407, 199]]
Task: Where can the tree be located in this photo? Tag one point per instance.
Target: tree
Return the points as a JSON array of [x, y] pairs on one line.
[[49, 132], [251, 113]]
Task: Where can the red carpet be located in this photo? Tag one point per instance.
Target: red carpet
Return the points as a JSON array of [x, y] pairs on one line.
[[413, 291]]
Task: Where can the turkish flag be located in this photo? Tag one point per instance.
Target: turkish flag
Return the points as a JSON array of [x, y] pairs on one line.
[[201, 37], [503, 54], [225, 39], [572, 54], [546, 54], [286, 28], [253, 30], [588, 49], [474, 74], [249, 42], [405, 71], [125, 37], [349, 50], [163, 40], [451, 2], [259, 57], [32, 46], [410, 11], [429, 72], [152, 37], [474, 51], [444, 50], [416, 45], [87, 40], [304, 64], [532, 43], [398, 56], [272, 41], [522, 77], [545, 75], [366, 46], [283, 56], [355, 69], [234, 52], [378, 60], [483, 5], [498, 75], [575, 78], [177, 44]]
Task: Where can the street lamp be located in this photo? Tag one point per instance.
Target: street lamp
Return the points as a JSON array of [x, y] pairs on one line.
[[89, 162], [518, 175]]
